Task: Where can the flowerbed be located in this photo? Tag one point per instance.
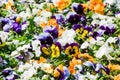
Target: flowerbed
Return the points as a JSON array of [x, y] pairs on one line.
[[60, 40]]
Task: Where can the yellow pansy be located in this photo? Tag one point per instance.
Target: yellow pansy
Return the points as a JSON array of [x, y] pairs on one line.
[[55, 51]]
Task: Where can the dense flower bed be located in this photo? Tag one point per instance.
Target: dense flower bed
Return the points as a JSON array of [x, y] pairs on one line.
[[59, 39]]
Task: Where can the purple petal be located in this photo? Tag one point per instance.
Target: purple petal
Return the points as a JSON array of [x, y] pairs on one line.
[[78, 8], [51, 30], [76, 26]]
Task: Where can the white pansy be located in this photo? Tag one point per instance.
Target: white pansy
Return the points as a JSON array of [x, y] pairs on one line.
[[28, 74], [102, 19], [3, 36], [67, 37], [99, 41], [46, 13], [35, 11], [35, 44], [25, 14], [111, 40], [23, 48], [37, 20], [105, 49], [84, 45], [87, 43], [2, 2], [36, 47], [43, 17], [15, 53], [88, 76]]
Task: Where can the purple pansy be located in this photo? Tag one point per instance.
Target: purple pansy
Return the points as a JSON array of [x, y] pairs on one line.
[[9, 74], [73, 18], [45, 38], [10, 23], [72, 44], [108, 30], [51, 30], [60, 19], [78, 8]]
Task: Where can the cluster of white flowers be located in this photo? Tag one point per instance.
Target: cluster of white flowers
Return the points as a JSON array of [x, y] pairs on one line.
[[103, 20], [99, 41], [105, 49], [44, 16], [26, 14], [67, 37], [113, 2], [23, 48], [30, 69]]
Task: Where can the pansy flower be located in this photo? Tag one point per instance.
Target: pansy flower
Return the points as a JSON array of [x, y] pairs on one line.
[[78, 8], [61, 4], [56, 49], [73, 18], [53, 50], [51, 30], [82, 31], [72, 49], [59, 18], [9, 74], [97, 6], [45, 38], [72, 65], [108, 30]]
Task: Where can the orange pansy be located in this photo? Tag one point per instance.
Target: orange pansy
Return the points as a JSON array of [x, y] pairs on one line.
[[72, 64], [62, 4], [117, 77], [114, 67], [97, 6]]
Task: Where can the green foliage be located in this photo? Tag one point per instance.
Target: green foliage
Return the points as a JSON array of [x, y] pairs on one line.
[[80, 1]]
